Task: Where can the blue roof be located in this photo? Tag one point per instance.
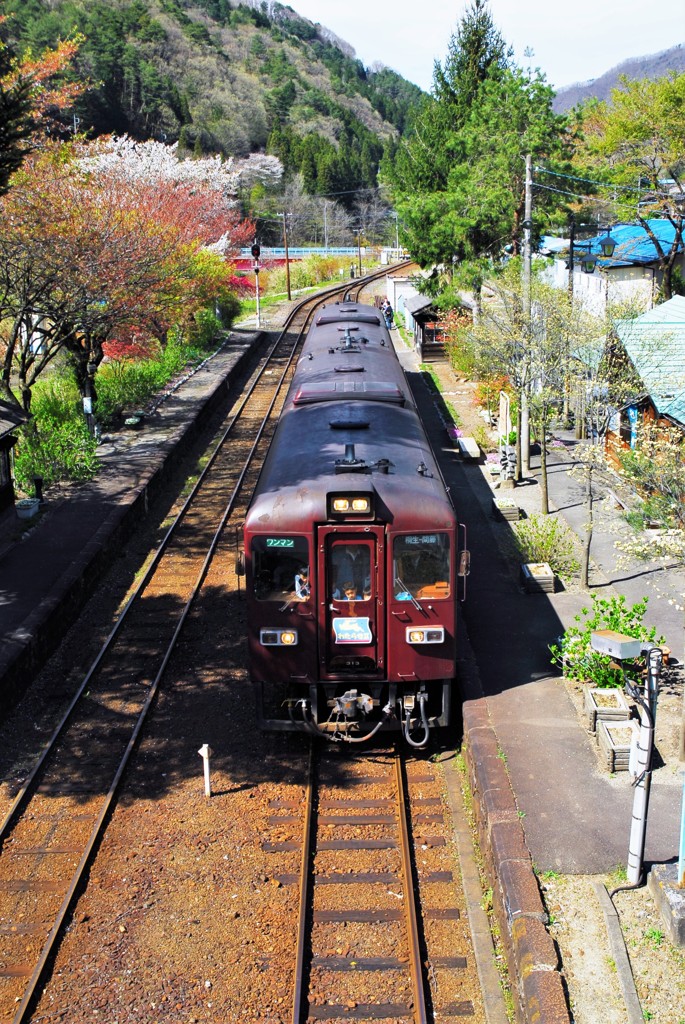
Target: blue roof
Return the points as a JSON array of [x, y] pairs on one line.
[[655, 344], [633, 244]]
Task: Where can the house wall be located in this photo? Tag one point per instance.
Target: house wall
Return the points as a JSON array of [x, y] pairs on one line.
[[398, 290], [638, 285]]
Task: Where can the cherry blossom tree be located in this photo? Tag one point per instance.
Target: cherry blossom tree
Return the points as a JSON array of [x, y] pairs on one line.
[[103, 244]]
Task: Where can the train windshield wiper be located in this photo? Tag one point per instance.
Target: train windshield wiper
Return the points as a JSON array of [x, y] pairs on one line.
[[405, 589]]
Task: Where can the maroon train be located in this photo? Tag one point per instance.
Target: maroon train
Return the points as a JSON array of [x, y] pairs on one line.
[[351, 548]]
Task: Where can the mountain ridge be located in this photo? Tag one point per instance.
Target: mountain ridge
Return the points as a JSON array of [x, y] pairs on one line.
[[650, 66]]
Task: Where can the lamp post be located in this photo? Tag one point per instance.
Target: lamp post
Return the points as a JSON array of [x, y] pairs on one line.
[[91, 369], [607, 246]]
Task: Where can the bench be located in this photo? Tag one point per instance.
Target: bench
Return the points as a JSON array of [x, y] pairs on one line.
[[469, 448]]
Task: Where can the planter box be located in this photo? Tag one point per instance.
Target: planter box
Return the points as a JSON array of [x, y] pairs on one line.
[[615, 739], [27, 508], [537, 578], [506, 509], [605, 704]]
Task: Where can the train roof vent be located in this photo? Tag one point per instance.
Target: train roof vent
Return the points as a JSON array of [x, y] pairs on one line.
[[347, 390], [349, 424], [343, 316], [352, 368]]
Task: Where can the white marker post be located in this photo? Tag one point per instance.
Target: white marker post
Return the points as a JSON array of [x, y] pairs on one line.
[[205, 753]]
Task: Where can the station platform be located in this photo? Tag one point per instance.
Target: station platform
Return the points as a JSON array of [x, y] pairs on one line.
[[47, 568]]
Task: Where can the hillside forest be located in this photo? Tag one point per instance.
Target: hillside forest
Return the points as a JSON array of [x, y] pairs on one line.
[[144, 141]]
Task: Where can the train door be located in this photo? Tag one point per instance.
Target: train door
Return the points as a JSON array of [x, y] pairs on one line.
[[351, 614]]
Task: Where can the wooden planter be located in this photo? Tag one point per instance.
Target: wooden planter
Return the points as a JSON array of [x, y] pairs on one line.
[[537, 578], [607, 704], [615, 740], [507, 510]]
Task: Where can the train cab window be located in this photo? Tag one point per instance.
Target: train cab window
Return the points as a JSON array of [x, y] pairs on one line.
[[349, 572], [280, 568], [421, 566]]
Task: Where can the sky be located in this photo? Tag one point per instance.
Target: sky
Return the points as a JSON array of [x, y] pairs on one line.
[[588, 39]]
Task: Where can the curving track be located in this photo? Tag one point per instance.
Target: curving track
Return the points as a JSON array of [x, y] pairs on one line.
[[57, 819]]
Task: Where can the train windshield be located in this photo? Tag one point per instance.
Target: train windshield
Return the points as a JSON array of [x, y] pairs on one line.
[[350, 571], [280, 568], [421, 566]]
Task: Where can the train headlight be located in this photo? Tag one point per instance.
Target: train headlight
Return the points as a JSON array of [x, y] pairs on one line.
[[436, 635], [278, 637], [350, 504]]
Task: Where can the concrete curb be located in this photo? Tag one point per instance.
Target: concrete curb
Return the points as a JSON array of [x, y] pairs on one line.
[[621, 959], [534, 968]]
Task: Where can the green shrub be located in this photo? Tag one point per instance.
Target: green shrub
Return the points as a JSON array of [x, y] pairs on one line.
[[128, 384], [56, 445], [573, 651], [543, 538]]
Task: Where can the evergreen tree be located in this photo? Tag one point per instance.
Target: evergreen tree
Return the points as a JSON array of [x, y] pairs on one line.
[[16, 125], [458, 179]]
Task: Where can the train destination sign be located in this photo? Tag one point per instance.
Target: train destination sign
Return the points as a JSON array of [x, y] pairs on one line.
[[355, 630]]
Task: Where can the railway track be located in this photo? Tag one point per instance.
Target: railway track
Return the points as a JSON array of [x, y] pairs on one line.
[[375, 941], [55, 823]]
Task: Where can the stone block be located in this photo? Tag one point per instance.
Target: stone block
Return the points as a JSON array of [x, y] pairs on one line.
[[507, 843], [520, 892], [533, 947], [670, 899], [544, 1001]]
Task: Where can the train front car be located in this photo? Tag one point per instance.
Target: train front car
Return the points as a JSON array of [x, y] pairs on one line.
[[351, 548]]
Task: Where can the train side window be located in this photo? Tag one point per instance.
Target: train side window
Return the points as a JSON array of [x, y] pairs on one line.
[[280, 568], [421, 566]]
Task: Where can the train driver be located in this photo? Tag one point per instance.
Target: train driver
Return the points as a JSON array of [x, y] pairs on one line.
[[350, 562]]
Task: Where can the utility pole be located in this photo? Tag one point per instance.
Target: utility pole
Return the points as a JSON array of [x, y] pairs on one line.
[[287, 260], [325, 226], [527, 327]]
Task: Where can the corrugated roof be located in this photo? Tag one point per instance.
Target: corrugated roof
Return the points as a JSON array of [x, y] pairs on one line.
[[417, 303], [633, 244], [655, 343], [10, 418]]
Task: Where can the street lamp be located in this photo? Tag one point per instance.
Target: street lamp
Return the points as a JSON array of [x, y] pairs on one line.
[[607, 244]]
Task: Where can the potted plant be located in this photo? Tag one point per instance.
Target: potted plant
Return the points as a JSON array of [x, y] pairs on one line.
[[573, 650], [27, 507]]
